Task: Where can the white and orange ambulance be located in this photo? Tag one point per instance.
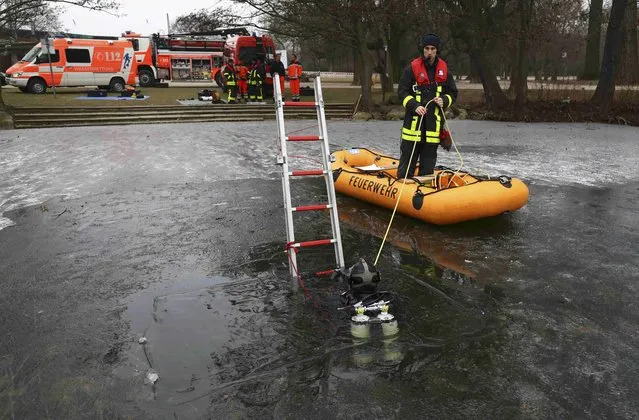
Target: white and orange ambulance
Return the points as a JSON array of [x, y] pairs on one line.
[[111, 63]]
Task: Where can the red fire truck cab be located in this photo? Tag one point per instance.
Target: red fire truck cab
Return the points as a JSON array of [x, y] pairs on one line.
[[202, 55]]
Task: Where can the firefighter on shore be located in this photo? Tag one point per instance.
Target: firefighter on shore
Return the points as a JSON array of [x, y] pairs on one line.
[[256, 77], [426, 78], [277, 67], [230, 82], [242, 80], [294, 74]]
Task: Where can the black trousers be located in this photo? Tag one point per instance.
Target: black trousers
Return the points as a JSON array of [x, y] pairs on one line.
[[425, 152]]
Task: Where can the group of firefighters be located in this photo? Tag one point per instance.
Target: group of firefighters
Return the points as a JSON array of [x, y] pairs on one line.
[[245, 83]]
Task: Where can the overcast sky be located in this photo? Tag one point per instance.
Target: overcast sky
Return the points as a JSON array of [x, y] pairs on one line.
[[142, 16]]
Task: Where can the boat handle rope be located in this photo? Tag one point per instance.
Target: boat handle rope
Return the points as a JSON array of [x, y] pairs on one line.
[[452, 140]]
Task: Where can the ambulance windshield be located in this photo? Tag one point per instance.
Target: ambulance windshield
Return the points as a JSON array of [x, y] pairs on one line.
[[32, 54]]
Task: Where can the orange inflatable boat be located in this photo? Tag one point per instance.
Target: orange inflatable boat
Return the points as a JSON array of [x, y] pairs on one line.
[[446, 197]]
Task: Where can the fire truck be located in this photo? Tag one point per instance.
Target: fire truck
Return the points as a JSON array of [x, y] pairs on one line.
[[199, 56], [110, 62]]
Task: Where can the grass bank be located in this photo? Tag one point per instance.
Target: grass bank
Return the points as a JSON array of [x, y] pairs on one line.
[[549, 102], [69, 97]]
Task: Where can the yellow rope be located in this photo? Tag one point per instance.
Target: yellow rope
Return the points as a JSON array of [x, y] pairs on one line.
[[406, 176], [452, 140]]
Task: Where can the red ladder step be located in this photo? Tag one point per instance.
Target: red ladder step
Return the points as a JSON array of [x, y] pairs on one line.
[[312, 207], [313, 243], [303, 138], [300, 104], [308, 172]]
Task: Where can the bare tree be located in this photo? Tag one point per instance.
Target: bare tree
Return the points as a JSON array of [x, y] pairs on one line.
[[520, 75], [544, 29], [350, 23], [595, 17], [479, 26], [10, 9], [42, 17], [629, 66], [610, 63], [204, 20]]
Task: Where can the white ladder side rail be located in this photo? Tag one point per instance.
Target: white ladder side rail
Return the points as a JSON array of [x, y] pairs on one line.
[[282, 159], [330, 187]]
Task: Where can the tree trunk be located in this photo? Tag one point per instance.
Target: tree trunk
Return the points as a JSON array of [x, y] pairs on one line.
[[394, 53], [381, 67], [493, 93], [357, 68], [610, 63], [395, 34], [473, 77], [629, 64], [6, 120], [514, 76], [521, 87], [366, 64], [387, 85], [591, 69]]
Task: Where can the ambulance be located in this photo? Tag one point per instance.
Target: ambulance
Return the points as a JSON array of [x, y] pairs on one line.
[[107, 63]]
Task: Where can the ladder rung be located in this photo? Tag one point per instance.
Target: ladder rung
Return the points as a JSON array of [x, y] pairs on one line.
[[308, 172], [312, 207], [300, 104], [303, 138], [313, 243]]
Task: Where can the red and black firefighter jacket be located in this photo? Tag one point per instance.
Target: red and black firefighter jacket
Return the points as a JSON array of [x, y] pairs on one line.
[[420, 83], [229, 75]]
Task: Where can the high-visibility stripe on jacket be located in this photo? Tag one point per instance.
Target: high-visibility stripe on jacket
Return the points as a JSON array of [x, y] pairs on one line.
[[423, 91], [229, 76], [255, 78]]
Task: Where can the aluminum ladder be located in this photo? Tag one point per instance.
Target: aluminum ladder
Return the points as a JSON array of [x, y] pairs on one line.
[[282, 159]]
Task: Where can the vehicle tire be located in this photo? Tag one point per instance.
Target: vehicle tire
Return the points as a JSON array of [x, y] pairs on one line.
[[218, 79], [146, 78], [23, 89], [117, 85], [37, 86]]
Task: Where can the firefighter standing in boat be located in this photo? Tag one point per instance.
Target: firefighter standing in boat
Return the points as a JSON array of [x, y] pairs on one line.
[[426, 78]]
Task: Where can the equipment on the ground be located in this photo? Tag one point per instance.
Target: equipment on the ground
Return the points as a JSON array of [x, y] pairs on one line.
[[97, 93], [205, 95], [131, 92]]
